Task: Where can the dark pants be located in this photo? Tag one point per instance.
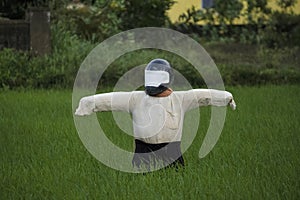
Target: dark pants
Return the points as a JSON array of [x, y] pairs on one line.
[[157, 155]]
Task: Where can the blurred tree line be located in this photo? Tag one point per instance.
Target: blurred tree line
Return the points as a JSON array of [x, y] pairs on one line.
[[95, 20], [78, 26]]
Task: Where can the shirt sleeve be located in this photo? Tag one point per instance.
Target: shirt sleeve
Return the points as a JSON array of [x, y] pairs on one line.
[[206, 97], [114, 101]]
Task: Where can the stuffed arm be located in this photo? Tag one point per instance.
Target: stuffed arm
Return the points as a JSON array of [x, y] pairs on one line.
[[206, 97], [114, 101]]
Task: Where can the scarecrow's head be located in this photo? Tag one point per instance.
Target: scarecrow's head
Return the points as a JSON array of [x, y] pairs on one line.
[[158, 76]]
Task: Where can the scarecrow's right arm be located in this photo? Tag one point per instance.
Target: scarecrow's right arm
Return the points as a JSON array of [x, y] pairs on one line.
[[114, 101]]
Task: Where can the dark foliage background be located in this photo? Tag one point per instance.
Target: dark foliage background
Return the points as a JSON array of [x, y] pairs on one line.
[[263, 50]]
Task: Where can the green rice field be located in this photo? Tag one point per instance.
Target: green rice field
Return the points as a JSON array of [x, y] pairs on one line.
[[256, 157]]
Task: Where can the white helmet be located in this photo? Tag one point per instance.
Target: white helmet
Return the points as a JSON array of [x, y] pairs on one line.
[[158, 76]]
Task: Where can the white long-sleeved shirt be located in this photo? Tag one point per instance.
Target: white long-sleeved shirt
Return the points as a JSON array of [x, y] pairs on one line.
[[155, 119]]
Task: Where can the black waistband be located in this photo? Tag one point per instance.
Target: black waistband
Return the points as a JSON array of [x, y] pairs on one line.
[[143, 147]]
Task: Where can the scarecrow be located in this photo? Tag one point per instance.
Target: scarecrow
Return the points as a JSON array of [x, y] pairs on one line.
[[157, 113]]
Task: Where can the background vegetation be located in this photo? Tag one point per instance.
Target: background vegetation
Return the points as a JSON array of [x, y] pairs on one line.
[[263, 50]]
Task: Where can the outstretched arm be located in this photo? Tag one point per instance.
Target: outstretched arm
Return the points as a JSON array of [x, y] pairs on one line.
[[114, 101], [205, 97]]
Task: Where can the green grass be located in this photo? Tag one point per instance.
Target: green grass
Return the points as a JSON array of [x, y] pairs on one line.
[[256, 157]]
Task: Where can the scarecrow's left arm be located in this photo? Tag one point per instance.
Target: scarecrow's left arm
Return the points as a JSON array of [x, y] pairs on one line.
[[114, 101], [205, 97]]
